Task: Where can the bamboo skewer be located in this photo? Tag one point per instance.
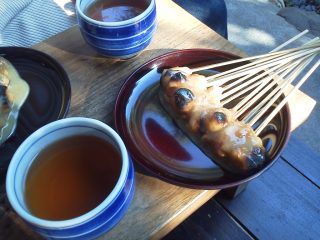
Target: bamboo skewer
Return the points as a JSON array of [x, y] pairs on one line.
[[243, 70], [268, 82], [272, 54], [254, 112], [275, 72], [265, 77], [306, 46], [290, 40], [257, 112], [313, 41], [245, 84], [247, 66], [240, 93], [252, 69], [221, 64], [246, 99], [252, 80], [285, 100]]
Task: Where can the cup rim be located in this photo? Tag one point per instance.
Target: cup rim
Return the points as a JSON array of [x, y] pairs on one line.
[[115, 24], [52, 224]]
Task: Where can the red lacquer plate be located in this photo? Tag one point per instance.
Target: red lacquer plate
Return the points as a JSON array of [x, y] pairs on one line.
[[156, 143]]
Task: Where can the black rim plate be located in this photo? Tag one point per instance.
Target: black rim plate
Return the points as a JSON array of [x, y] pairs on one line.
[[48, 100]]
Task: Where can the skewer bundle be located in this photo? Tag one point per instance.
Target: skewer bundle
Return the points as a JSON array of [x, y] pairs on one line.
[[225, 112], [265, 77]]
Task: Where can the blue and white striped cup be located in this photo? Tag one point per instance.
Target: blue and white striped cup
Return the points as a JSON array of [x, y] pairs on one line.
[[93, 223], [123, 39]]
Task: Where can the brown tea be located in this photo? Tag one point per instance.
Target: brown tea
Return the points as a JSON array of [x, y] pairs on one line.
[[115, 10], [71, 177]]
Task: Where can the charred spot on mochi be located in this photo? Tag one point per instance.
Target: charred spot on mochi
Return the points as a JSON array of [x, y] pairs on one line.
[[3, 90], [183, 96], [202, 125], [213, 121], [178, 76], [3, 96], [256, 157], [220, 117]]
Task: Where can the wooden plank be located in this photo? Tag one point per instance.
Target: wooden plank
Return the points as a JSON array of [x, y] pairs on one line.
[[280, 204], [304, 159], [11, 226], [210, 222], [12, 230], [298, 109], [157, 208]]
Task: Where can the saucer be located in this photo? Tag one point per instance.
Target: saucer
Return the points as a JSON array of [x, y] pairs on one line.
[[48, 100]]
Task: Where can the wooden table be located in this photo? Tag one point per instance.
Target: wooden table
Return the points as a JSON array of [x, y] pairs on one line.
[[158, 207], [283, 203]]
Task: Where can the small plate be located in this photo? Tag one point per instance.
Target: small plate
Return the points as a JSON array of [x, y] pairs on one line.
[[48, 100], [156, 143]]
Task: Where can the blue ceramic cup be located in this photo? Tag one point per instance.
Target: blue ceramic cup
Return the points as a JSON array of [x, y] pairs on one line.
[[118, 39], [93, 223]]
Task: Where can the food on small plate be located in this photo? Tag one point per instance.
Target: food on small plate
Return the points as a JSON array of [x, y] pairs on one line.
[[4, 93], [13, 93], [197, 110]]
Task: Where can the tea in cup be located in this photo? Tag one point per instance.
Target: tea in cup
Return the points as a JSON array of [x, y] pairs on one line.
[[71, 178], [117, 29]]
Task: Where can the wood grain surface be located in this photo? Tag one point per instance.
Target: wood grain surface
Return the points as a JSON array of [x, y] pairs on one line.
[[304, 159], [282, 203], [95, 81], [210, 222]]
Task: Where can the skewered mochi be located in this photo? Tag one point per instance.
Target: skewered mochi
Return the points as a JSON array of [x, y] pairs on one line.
[[197, 110]]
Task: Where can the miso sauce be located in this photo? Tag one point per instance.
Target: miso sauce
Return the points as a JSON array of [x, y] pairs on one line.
[[71, 177], [115, 10]]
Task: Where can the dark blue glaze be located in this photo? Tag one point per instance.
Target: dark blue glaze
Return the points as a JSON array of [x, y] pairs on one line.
[[119, 43], [122, 41], [123, 53]]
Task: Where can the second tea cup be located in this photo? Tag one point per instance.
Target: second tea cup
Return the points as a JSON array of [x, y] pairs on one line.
[[117, 37]]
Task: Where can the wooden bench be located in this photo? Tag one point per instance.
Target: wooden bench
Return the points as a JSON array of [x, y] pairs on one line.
[[282, 203]]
